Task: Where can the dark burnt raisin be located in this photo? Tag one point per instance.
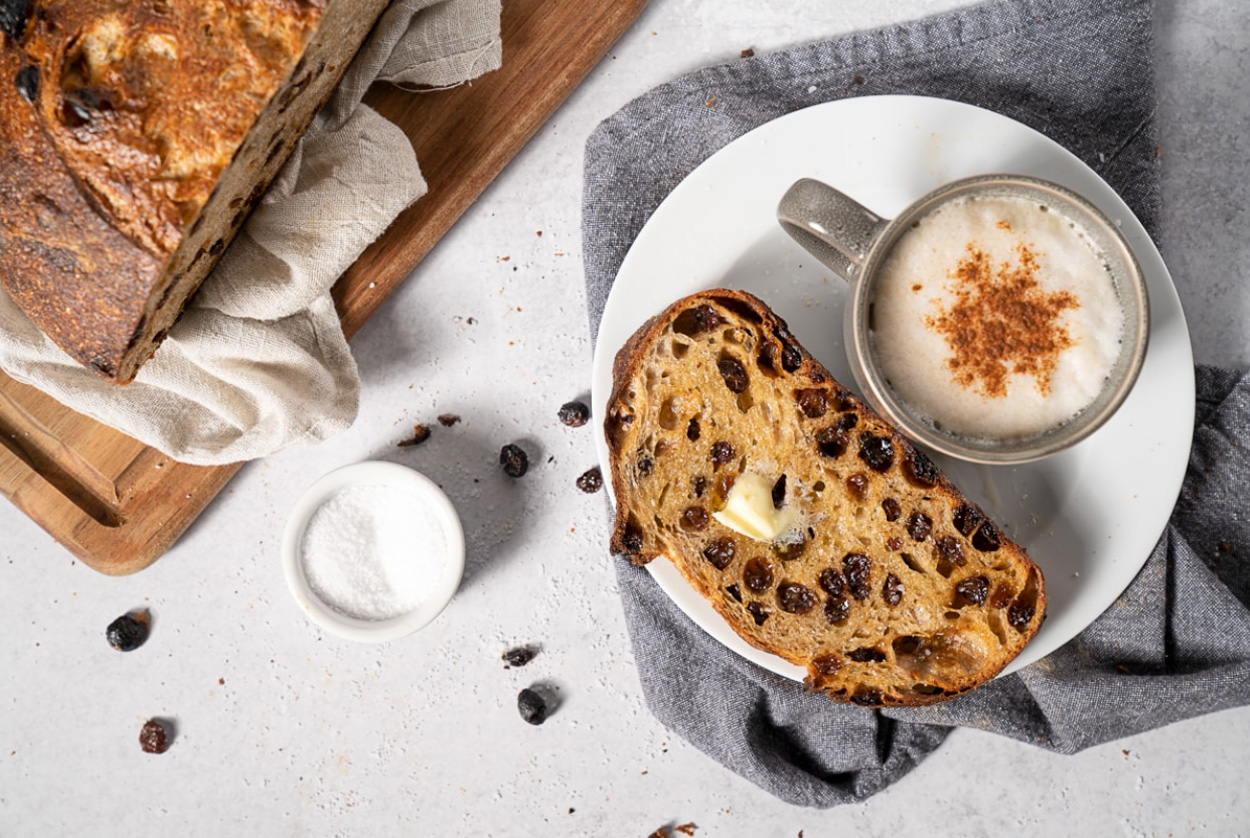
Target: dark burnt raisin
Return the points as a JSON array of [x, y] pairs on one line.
[[827, 664], [591, 481], [767, 357], [153, 738], [892, 509], [217, 247], [919, 525], [733, 591], [973, 590], [758, 574], [1020, 615], [519, 656], [420, 433], [892, 590], [857, 484], [574, 414], [831, 441], [813, 403], [759, 612], [795, 598], [876, 451], [720, 553], [721, 453], [948, 548], [832, 582], [532, 707], [870, 654], [837, 609], [27, 81], [693, 430], [129, 631], [919, 469], [695, 517], [791, 357], [779, 492], [632, 539], [734, 374], [986, 539], [13, 17], [645, 463], [858, 570], [1002, 597], [699, 486], [867, 698], [706, 318], [514, 460], [848, 421], [967, 518]]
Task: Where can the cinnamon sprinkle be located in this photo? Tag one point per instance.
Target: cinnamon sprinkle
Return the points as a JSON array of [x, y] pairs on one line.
[[1002, 322]]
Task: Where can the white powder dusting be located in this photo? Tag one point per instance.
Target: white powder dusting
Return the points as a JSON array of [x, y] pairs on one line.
[[374, 552]]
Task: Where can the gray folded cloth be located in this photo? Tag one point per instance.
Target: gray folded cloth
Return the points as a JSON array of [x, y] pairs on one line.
[[1176, 644]]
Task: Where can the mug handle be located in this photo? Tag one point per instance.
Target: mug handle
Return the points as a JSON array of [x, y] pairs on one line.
[[831, 225]]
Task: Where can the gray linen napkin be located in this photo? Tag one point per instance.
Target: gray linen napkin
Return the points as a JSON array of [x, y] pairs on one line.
[[1176, 644]]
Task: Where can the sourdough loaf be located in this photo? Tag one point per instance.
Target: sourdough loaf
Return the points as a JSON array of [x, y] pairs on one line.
[[134, 140], [887, 585]]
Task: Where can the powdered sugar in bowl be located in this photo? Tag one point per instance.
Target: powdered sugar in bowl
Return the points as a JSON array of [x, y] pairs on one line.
[[373, 551]]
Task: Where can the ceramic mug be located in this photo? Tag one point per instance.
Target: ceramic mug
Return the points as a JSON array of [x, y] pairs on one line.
[[855, 243]]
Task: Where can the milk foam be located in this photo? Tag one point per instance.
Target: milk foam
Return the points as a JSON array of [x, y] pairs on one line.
[[913, 355]]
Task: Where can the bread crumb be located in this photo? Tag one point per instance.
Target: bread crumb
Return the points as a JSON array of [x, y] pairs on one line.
[[710, 102]]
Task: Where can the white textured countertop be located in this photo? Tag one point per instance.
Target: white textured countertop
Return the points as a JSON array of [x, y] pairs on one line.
[[285, 730]]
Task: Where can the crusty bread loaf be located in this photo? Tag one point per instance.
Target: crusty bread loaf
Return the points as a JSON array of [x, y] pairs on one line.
[[889, 586], [134, 140]]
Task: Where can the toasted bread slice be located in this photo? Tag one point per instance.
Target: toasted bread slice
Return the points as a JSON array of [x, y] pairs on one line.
[[867, 566]]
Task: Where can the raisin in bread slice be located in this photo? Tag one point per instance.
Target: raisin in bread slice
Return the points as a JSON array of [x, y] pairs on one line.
[[887, 585]]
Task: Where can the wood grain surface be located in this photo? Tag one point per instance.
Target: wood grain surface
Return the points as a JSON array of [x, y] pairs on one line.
[[117, 504]]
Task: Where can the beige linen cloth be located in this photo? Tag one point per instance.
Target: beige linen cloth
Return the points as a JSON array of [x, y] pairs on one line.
[[258, 361]]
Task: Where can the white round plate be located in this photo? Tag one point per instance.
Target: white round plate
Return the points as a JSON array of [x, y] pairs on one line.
[[1088, 516]]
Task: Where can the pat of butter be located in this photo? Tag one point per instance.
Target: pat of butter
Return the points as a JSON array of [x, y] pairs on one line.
[[749, 510]]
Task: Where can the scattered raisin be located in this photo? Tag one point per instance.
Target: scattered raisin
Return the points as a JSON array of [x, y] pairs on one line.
[[867, 698], [813, 403], [706, 318], [1019, 615], [791, 357], [13, 17], [759, 612], [721, 453], [532, 706], [869, 654], [848, 421], [514, 460], [448, 419], [734, 373], [591, 481], [574, 414], [827, 664], [986, 539], [733, 591], [632, 539], [857, 483], [693, 430], [892, 590], [893, 543], [831, 441], [919, 525], [892, 509], [837, 609], [967, 518], [779, 492], [129, 631], [758, 574], [795, 598], [27, 81], [1002, 597], [948, 547], [699, 486], [788, 551], [858, 570], [919, 469], [153, 738], [420, 433], [519, 656], [832, 582], [876, 451], [695, 517], [645, 463], [720, 553], [973, 590]]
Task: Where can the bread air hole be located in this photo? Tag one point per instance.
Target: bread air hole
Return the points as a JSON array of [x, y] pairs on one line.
[[733, 336], [997, 623], [910, 561], [679, 348], [669, 420], [745, 401], [945, 568]]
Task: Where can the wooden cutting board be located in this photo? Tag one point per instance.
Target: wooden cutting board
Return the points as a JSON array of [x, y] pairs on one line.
[[117, 504]]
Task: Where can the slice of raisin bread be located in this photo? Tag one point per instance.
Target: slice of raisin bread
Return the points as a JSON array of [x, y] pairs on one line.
[[887, 585]]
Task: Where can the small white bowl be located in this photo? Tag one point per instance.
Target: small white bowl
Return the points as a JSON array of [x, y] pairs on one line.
[[372, 473]]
